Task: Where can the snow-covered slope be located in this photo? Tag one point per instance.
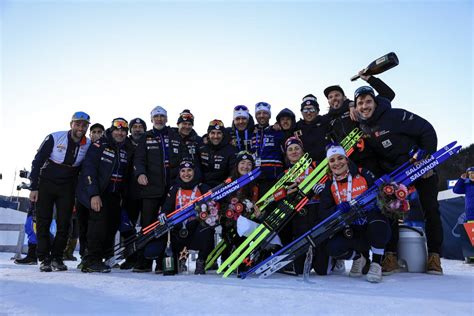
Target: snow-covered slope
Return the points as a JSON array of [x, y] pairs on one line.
[[24, 290]]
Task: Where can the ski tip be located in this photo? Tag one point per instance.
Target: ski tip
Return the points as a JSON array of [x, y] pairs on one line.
[[450, 145], [456, 149]]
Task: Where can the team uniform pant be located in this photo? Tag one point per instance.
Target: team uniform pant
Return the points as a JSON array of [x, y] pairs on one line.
[[51, 194], [102, 227]]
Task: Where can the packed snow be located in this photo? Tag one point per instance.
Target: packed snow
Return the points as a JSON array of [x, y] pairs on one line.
[[25, 290]]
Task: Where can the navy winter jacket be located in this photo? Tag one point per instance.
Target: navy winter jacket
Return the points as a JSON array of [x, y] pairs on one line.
[[104, 170], [392, 133]]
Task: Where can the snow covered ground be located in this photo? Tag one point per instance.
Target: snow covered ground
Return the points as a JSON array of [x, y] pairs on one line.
[[24, 290]]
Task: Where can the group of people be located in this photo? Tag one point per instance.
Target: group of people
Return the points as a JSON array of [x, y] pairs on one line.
[[115, 179]]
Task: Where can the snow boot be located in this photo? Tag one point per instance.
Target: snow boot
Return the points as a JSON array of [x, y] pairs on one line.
[[30, 258], [434, 264], [357, 267], [390, 264], [375, 273], [57, 264], [69, 251], [339, 267], [45, 265], [96, 266], [143, 265]]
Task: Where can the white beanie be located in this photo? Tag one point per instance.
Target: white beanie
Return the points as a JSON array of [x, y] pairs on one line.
[[241, 111], [335, 150], [263, 106], [158, 110]]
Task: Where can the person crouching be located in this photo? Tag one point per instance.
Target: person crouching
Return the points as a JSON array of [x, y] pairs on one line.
[[190, 233], [345, 183]]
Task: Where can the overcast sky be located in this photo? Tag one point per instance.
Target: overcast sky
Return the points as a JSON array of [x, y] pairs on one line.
[[122, 58]]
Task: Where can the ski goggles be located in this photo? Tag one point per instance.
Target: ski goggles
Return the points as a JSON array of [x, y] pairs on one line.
[[216, 124], [187, 116], [362, 91], [81, 116], [120, 123], [241, 108]]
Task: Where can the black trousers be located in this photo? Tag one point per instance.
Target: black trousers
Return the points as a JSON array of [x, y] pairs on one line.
[[83, 221], [102, 227], [51, 194], [74, 227], [428, 195], [376, 233]]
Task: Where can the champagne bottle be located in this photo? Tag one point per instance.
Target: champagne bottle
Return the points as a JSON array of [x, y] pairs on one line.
[[168, 260], [379, 65]]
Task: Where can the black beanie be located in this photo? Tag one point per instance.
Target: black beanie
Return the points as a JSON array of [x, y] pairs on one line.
[[186, 116], [137, 121], [286, 113], [244, 155]]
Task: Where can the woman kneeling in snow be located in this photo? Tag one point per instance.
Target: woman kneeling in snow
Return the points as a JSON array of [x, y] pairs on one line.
[[345, 183]]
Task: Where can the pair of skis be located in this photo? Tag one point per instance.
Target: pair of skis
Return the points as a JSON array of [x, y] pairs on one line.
[[263, 202], [281, 215], [405, 174], [159, 228]]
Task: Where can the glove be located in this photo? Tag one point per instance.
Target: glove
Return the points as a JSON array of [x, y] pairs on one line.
[[162, 218], [417, 153], [344, 207], [318, 188]]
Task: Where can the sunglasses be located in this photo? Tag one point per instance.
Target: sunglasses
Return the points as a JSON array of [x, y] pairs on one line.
[[81, 116], [363, 90], [241, 108], [120, 123], [308, 110]]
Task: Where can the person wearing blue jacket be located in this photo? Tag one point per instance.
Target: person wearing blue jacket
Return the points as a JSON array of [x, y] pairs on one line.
[[102, 184], [53, 179], [268, 147], [241, 132], [465, 185], [392, 134]]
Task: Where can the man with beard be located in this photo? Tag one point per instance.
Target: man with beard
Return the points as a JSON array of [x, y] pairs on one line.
[[184, 145], [151, 169], [133, 201], [53, 178], [312, 129], [267, 144], [342, 119], [217, 156], [101, 189], [392, 135]]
